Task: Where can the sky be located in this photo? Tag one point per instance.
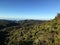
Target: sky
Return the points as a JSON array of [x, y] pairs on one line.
[[29, 9]]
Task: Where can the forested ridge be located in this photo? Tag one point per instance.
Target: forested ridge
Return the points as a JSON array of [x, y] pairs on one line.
[[30, 32]]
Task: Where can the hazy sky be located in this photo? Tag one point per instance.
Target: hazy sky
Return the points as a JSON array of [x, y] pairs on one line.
[[29, 9]]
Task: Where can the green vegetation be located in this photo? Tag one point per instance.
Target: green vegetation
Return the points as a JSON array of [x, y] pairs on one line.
[[31, 32]]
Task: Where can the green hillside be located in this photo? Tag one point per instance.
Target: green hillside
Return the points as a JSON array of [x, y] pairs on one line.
[[32, 32]]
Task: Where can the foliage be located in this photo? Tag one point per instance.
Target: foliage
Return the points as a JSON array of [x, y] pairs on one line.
[[32, 32]]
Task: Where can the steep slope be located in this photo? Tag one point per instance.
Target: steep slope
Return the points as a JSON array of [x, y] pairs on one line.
[[47, 33]]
